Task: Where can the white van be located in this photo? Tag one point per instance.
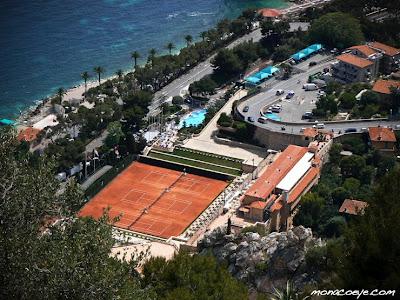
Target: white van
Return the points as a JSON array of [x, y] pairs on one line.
[[320, 125], [310, 87], [262, 120]]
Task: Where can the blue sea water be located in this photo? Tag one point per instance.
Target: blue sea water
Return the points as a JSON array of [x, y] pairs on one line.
[[48, 44]]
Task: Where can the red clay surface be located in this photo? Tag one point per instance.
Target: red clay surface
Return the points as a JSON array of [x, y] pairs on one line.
[[154, 200]]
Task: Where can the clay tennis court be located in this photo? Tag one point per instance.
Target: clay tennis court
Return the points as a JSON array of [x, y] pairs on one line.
[[154, 200]]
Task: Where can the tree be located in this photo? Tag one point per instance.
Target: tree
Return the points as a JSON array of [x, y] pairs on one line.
[[152, 55], [239, 27], [135, 55], [85, 76], [334, 227], [347, 100], [339, 195], [188, 39], [351, 166], [177, 100], [114, 135], [282, 53], [336, 29], [60, 93], [70, 260], [370, 256], [191, 277], [311, 206], [99, 70], [120, 74], [369, 97], [395, 98], [170, 47], [227, 63], [203, 35]]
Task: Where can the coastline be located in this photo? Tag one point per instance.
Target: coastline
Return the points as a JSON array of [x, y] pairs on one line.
[[41, 108]]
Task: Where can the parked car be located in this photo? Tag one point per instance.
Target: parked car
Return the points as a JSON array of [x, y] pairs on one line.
[[246, 109], [251, 119], [276, 109], [262, 120], [290, 94], [302, 130], [320, 125], [348, 130], [279, 92], [283, 128], [269, 111], [307, 116], [312, 63]]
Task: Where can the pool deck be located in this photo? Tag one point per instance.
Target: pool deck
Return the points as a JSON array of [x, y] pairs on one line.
[[205, 140]]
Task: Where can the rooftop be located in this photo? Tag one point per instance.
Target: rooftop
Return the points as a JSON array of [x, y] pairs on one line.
[[354, 60], [388, 50], [353, 207], [274, 173], [258, 204], [310, 132], [383, 86], [28, 135], [381, 134], [296, 173], [303, 184], [269, 12], [364, 49]]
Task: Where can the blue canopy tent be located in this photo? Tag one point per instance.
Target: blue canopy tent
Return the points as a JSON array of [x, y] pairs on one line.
[[6, 122], [258, 77], [307, 51]]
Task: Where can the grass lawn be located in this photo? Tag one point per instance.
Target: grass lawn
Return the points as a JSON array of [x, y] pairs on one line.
[[203, 165], [212, 159]]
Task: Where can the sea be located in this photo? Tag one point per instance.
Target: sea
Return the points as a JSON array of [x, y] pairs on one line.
[[47, 44]]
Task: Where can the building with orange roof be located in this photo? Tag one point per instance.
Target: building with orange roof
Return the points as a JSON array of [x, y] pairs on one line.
[[391, 56], [352, 68], [362, 51], [269, 13], [382, 138], [28, 134], [353, 207], [383, 86], [276, 193]]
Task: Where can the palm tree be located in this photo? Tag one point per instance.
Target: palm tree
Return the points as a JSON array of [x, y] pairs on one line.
[[189, 39], [287, 294], [170, 46], [85, 76], [61, 92], [203, 35], [152, 54], [99, 70], [119, 73], [135, 55]]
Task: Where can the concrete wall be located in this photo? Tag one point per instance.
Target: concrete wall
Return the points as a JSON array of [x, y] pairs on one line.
[[278, 140]]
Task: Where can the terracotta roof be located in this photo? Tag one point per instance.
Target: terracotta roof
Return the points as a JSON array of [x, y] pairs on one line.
[[383, 86], [274, 173], [310, 132], [364, 49], [354, 60], [269, 12], [388, 50], [381, 134], [303, 183], [277, 206], [258, 204], [353, 207], [29, 134]]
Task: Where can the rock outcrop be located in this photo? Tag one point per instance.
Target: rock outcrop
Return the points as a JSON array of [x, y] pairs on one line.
[[264, 262]]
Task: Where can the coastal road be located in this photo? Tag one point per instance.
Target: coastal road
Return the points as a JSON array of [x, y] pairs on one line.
[[196, 73]]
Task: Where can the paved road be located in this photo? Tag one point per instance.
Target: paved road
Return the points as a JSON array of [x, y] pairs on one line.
[[198, 72], [268, 97]]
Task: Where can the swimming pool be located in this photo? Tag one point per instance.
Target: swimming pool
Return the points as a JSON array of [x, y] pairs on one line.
[[195, 118], [272, 116]]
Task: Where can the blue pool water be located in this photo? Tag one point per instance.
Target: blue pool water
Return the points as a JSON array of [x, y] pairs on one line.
[[272, 116], [195, 118]]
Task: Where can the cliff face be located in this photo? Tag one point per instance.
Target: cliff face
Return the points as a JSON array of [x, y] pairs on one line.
[[264, 262]]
